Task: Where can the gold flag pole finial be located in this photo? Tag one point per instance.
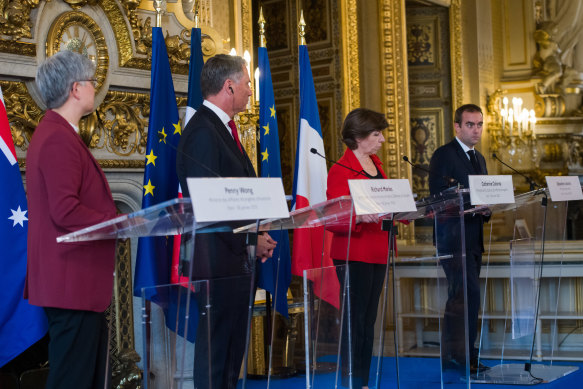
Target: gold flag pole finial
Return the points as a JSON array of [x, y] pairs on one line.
[[159, 11], [261, 22], [195, 10], [302, 28]]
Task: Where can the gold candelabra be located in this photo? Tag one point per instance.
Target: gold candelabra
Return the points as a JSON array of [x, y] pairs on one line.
[[513, 125]]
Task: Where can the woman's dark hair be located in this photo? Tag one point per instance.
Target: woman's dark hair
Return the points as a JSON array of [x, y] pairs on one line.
[[359, 123]]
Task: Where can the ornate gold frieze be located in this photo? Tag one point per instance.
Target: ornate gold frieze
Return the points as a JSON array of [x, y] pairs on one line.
[[20, 48], [23, 112], [395, 81], [122, 120], [457, 73], [351, 63], [117, 21], [15, 18]]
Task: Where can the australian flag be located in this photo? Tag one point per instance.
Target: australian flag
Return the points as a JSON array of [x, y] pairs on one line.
[[21, 324]]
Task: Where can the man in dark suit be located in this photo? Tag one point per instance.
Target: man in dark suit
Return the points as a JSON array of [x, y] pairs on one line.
[[454, 162], [210, 147], [68, 191]]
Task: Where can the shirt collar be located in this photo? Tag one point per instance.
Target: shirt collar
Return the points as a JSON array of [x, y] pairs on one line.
[[464, 146], [219, 112]]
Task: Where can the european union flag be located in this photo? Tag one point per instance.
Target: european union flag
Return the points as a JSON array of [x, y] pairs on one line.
[[160, 179], [275, 274]]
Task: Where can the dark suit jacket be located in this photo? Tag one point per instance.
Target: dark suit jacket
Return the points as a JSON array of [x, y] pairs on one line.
[[450, 160], [66, 191], [206, 140]]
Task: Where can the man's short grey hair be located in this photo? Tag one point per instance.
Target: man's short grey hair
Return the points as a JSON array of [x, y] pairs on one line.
[[217, 70], [56, 75]]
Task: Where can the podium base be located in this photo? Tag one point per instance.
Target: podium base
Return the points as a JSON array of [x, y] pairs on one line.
[[514, 374]]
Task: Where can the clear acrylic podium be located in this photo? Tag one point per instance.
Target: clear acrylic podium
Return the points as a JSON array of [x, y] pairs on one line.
[[516, 259], [191, 311], [445, 316]]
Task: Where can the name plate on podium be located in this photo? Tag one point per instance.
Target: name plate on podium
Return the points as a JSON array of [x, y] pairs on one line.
[[491, 190], [564, 188], [381, 196], [227, 199]]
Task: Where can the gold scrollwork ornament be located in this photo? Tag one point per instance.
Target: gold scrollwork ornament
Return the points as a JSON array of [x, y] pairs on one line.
[[78, 32]]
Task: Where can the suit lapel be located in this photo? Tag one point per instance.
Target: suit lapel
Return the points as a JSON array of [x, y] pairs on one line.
[[463, 157], [227, 138]]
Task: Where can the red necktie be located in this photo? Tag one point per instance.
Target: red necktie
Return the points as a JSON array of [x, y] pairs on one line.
[[233, 128]]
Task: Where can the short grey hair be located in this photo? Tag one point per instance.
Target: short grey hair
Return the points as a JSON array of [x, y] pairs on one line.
[[217, 70], [57, 74]]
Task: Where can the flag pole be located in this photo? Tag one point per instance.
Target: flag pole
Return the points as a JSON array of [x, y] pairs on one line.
[[302, 29], [159, 11], [268, 338]]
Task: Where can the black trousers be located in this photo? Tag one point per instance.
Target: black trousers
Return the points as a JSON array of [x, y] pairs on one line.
[[452, 339], [221, 333], [366, 284], [78, 349]]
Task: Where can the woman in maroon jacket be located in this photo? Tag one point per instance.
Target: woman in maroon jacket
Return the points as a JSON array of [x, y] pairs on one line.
[[362, 134], [68, 191]]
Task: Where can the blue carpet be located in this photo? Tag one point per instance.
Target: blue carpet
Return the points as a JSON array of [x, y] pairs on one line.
[[416, 373]]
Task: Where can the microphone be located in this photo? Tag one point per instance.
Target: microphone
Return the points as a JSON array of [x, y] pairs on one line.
[[314, 151], [450, 180], [161, 137], [533, 185]]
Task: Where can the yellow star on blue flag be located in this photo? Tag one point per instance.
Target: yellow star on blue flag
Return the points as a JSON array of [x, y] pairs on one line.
[[270, 273]]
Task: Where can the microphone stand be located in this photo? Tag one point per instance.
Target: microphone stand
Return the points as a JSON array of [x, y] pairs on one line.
[[533, 185]]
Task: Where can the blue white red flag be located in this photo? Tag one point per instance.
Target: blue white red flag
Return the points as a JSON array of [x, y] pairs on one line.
[[21, 324], [274, 275], [309, 186]]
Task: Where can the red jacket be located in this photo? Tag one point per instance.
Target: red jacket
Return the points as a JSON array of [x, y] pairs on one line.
[[368, 243], [66, 191]]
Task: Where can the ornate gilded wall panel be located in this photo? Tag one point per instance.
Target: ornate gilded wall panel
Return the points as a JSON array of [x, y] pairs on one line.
[[350, 55], [456, 52], [23, 113], [323, 37], [425, 138], [277, 30], [428, 60], [395, 80]]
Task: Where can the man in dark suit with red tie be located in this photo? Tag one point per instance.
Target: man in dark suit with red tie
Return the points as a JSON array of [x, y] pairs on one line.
[[210, 147], [68, 191], [457, 160]]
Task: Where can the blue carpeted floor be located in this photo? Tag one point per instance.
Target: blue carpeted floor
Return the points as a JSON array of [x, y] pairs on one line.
[[415, 373]]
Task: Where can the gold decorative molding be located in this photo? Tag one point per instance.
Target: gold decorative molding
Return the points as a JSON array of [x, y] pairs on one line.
[[23, 112], [456, 49], [122, 163], [123, 36], [351, 62], [20, 48], [71, 21], [15, 18], [121, 123], [395, 86]]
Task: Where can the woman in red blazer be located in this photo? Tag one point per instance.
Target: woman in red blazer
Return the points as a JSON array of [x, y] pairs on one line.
[[362, 134], [67, 191]]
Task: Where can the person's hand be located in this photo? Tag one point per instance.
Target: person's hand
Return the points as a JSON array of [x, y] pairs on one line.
[[265, 246], [367, 218]]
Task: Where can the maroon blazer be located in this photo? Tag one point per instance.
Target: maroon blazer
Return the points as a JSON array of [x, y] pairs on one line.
[[66, 191]]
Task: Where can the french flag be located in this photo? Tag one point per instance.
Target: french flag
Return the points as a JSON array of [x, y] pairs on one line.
[[309, 186]]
